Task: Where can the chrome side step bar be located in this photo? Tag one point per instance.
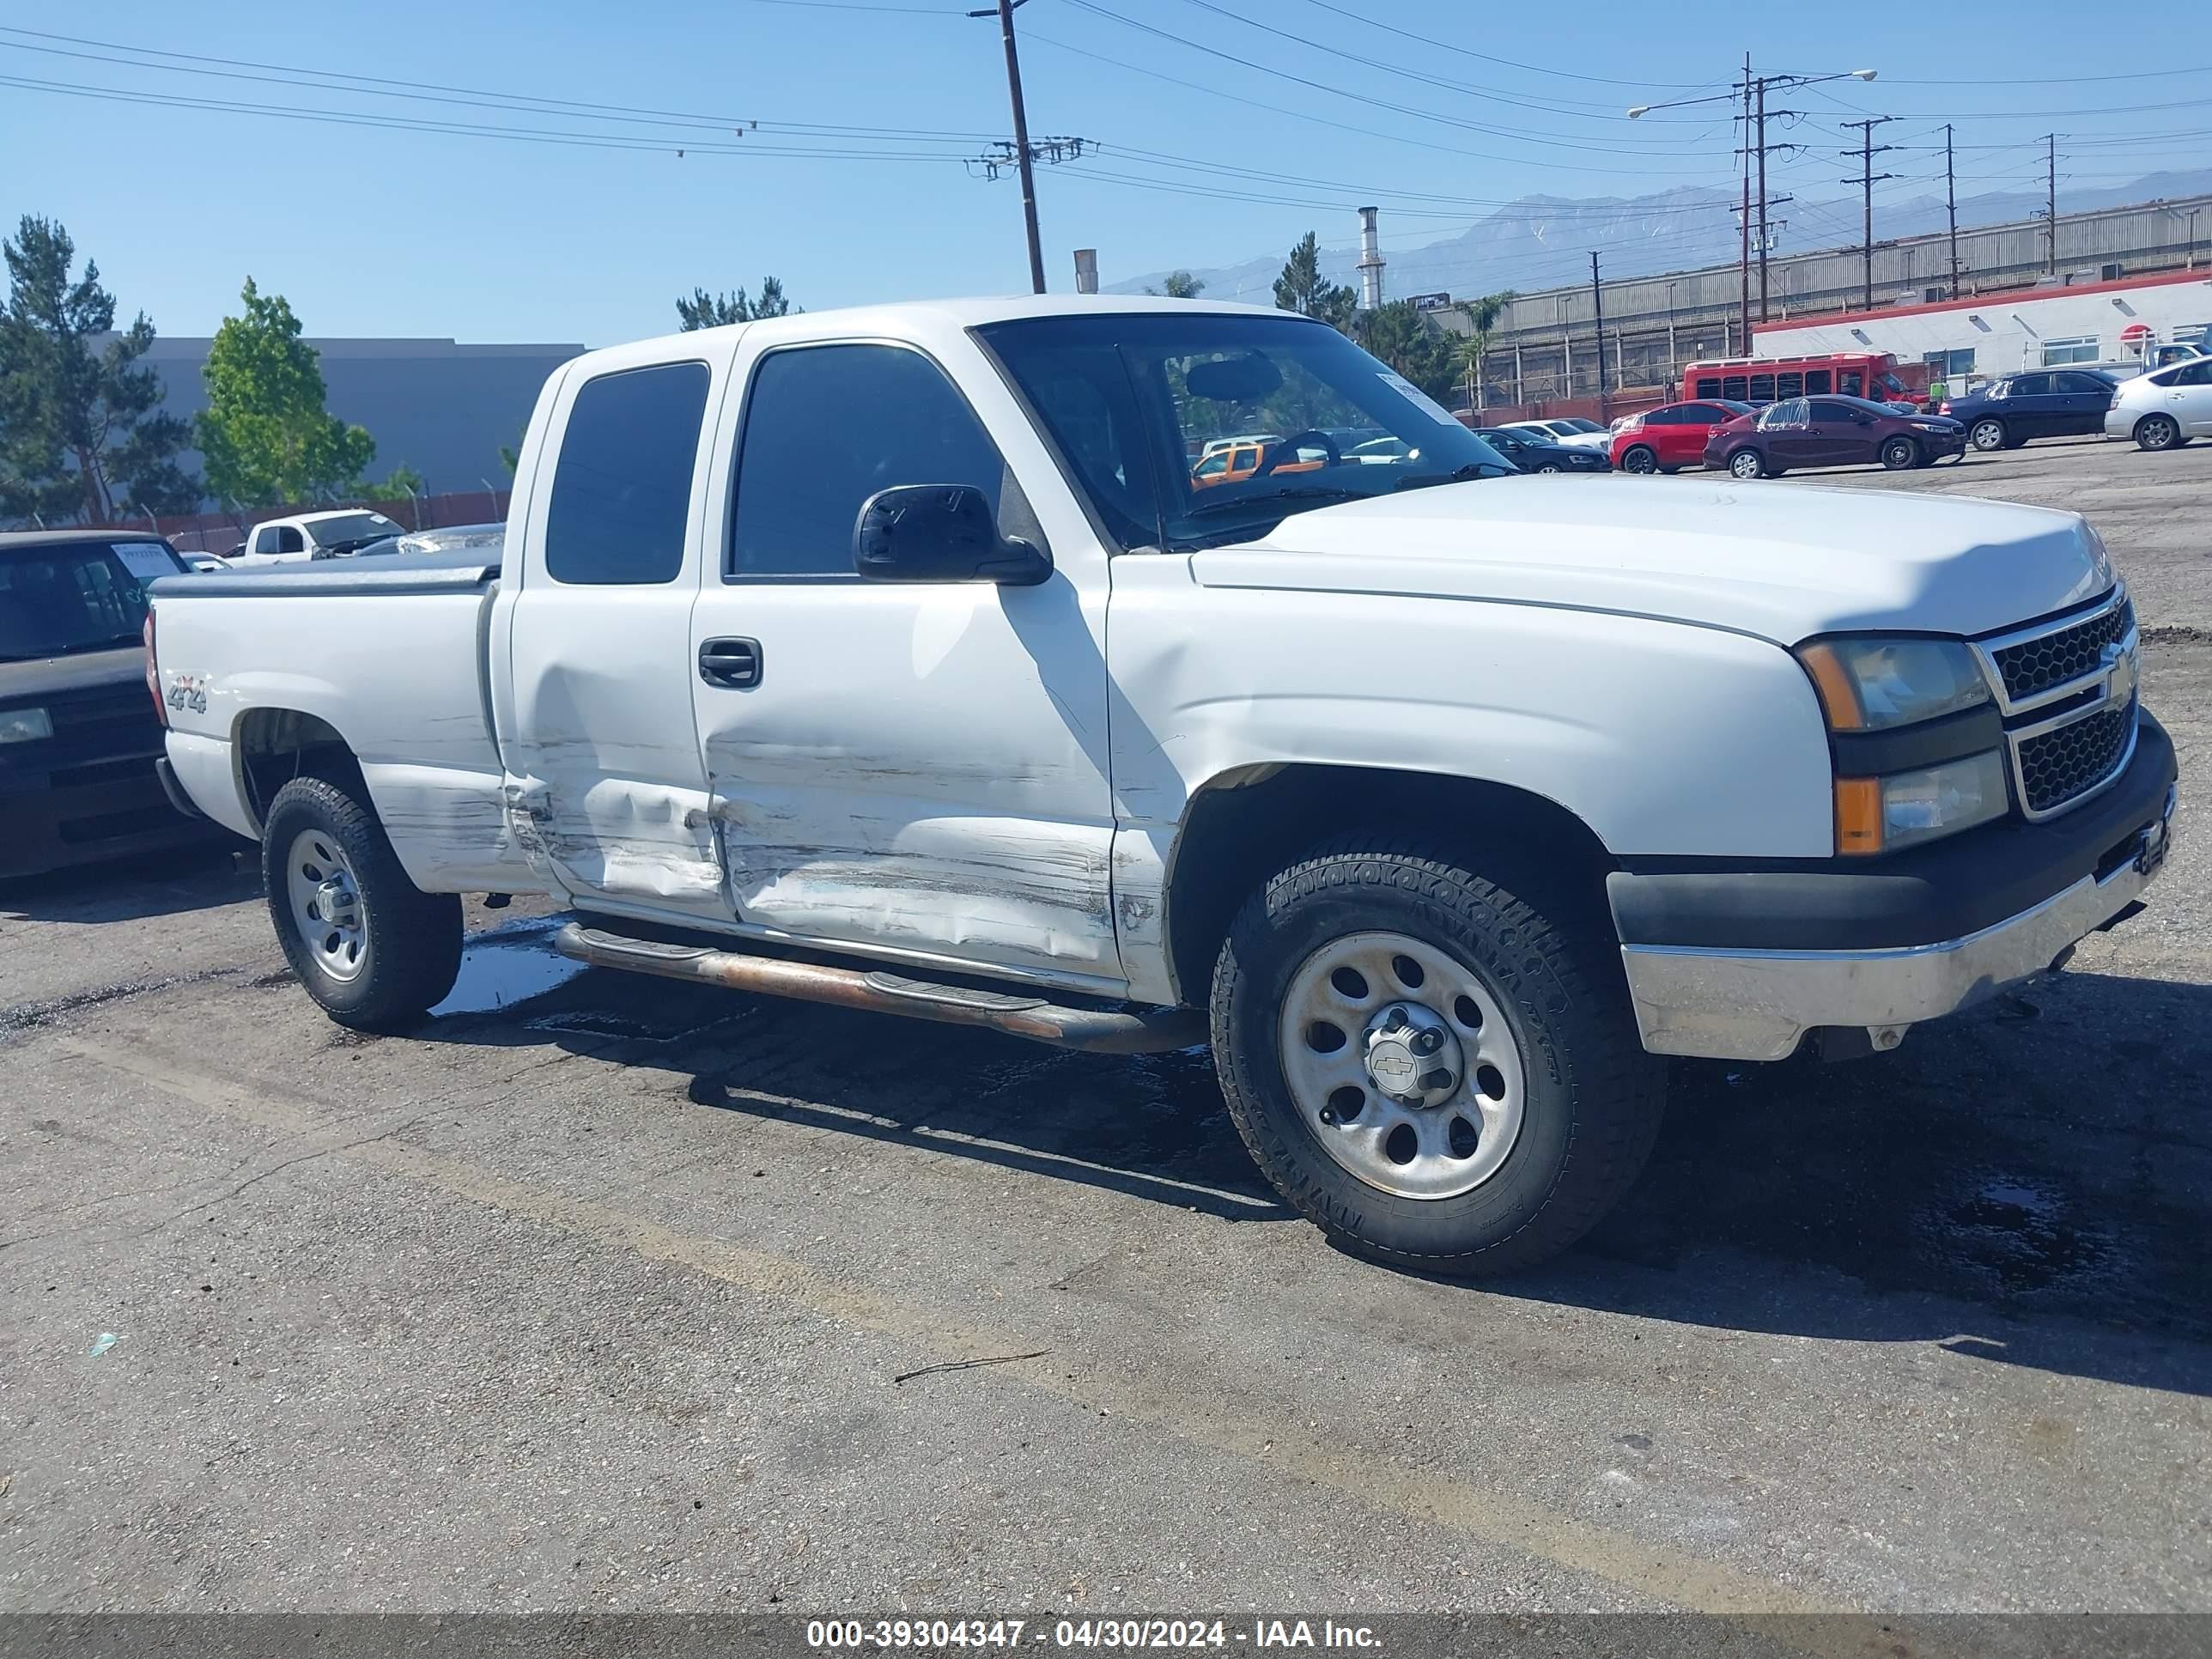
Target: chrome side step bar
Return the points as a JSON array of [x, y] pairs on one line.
[[1096, 1030]]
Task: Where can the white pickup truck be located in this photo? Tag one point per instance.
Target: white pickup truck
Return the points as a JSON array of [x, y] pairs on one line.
[[894, 657]]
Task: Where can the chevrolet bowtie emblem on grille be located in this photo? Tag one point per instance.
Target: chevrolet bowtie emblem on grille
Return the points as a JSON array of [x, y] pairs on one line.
[[2120, 684]]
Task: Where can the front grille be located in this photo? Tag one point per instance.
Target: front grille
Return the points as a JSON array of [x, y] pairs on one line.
[[2033, 667], [2059, 765]]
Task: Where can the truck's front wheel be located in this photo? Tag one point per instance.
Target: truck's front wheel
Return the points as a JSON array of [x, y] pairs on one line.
[[1427, 1067], [371, 947]]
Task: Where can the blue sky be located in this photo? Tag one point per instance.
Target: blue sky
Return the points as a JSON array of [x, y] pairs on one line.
[[396, 230]]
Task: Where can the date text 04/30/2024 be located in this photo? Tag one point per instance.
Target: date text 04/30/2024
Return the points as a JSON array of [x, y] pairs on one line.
[[863, 1635]]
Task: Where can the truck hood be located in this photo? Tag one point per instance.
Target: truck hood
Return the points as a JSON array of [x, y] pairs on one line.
[[1783, 561]]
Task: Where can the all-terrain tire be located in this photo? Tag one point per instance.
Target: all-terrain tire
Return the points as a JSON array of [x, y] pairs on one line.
[[409, 953], [1592, 1099]]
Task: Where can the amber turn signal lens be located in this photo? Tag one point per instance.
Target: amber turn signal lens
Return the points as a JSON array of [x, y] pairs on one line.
[[1858, 816], [1839, 693]]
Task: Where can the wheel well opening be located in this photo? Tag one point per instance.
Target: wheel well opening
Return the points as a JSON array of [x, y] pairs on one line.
[[275, 745], [1242, 829]]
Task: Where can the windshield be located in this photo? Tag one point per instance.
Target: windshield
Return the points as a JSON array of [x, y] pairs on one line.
[[350, 527], [1201, 427], [79, 596], [1889, 382]]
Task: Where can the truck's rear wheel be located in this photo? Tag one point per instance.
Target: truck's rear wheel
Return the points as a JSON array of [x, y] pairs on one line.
[[1429, 1068], [371, 947]]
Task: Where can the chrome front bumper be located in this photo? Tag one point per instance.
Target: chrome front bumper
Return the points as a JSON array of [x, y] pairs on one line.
[[1758, 1005]]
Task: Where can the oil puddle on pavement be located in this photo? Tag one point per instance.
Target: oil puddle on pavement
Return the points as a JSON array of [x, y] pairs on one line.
[[504, 966]]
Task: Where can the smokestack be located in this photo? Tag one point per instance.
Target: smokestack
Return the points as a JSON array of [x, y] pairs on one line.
[[1086, 270], [1370, 262]]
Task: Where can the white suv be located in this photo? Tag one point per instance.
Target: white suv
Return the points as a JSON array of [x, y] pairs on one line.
[[2165, 409]]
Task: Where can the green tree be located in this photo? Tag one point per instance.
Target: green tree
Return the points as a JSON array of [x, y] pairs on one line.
[[705, 310], [265, 433], [1405, 338], [1482, 316], [82, 433], [1304, 290], [402, 480], [1180, 285]]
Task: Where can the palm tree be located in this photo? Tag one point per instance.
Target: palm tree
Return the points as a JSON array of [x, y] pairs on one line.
[[1482, 316]]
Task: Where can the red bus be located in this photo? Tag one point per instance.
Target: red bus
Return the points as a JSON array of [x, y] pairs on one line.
[[1769, 379]]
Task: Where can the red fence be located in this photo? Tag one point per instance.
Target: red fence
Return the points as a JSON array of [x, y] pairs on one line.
[[219, 532]]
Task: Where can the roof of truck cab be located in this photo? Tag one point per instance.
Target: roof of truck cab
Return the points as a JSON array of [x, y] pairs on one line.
[[14, 539], [963, 314]]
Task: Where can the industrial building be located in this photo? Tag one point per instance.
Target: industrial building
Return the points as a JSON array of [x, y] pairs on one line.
[[1544, 349], [442, 407], [1961, 340]]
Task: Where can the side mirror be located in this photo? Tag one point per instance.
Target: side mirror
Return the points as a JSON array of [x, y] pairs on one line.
[[941, 533]]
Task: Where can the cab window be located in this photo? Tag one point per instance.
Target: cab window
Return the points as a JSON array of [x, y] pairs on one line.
[[826, 426]]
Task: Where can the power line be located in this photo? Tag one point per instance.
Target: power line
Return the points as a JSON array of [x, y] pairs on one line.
[[1035, 39], [1534, 69], [1366, 99], [426, 91], [1574, 109]]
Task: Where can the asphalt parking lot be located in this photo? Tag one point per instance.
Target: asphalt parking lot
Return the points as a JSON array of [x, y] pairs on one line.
[[603, 1293]]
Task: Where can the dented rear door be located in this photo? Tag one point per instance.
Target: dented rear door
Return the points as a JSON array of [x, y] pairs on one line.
[[605, 788]]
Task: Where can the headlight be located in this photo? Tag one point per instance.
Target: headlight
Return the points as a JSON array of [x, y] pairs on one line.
[[1880, 815], [24, 724], [1871, 684]]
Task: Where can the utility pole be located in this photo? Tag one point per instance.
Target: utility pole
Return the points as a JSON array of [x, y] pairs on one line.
[[1743, 260], [2050, 200], [1004, 12], [1866, 180], [1597, 303], [1951, 201]]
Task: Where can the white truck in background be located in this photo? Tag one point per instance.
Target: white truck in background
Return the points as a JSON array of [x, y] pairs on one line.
[[892, 658], [307, 536]]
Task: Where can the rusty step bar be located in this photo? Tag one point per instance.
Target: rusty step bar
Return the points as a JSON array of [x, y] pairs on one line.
[[1096, 1030]]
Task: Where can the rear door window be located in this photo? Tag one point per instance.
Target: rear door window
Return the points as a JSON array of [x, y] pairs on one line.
[[622, 485], [2029, 386]]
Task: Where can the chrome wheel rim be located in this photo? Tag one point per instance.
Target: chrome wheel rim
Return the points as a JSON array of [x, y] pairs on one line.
[[1989, 436], [1745, 466], [326, 908], [1398, 1059], [2157, 432]]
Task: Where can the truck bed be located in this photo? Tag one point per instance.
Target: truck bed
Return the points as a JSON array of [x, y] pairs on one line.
[[389, 652]]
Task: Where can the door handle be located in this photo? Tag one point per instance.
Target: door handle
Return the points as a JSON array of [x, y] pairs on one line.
[[734, 664]]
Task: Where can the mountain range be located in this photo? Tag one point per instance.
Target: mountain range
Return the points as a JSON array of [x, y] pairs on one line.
[[1530, 245]]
